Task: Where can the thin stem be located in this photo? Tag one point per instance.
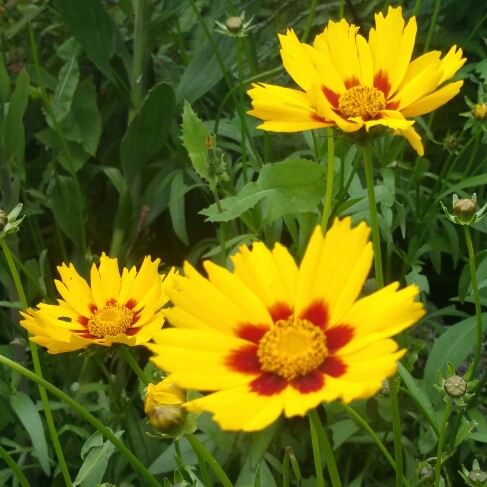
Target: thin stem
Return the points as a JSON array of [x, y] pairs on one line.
[[106, 432], [241, 110], [374, 220], [129, 358], [441, 439], [432, 26], [329, 180], [285, 469], [37, 367], [396, 429], [320, 481], [417, 6], [140, 55], [210, 460], [478, 312], [17, 471], [309, 23], [327, 450]]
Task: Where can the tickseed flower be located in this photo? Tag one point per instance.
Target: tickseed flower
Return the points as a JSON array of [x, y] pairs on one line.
[[353, 83], [272, 338], [114, 308]]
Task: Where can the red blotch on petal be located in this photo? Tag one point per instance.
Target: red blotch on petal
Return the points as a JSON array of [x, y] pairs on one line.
[[280, 311], [317, 118], [316, 313], [252, 333], [393, 105], [338, 336], [333, 366], [268, 384], [83, 320], [331, 96], [133, 331], [92, 307], [350, 83], [244, 360], [111, 301], [130, 304], [312, 382], [381, 82]]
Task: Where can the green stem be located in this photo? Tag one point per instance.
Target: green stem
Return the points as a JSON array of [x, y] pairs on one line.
[[17, 471], [129, 358], [37, 367], [374, 219], [329, 180], [478, 312], [106, 432], [320, 481], [432, 27], [327, 450], [309, 22], [210, 460], [285, 469], [441, 439], [396, 429], [241, 109], [139, 62]]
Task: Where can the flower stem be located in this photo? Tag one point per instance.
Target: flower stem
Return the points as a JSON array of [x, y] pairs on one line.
[[327, 450], [241, 108], [379, 278], [129, 358], [17, 471], [320, 481], [200, 450], [441, 439], [374, 220], [105, 431], [329, 180], [478, 312], [37, 367]]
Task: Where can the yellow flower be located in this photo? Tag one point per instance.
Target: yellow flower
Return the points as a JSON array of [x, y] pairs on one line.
[[352, 83], [272, 338], [164, 406], [113, 309]]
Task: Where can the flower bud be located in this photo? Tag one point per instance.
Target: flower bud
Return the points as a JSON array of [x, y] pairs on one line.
[[3, 219], [455, 386], [477, 476], [234, 24], [465, 209], [479, 111], [427, 474], [164, 406]]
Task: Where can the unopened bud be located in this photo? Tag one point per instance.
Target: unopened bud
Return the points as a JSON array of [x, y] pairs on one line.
[[477, 476], [427, 474], [465, 209], [479, 111], [234, 24], [455, 386], [3, 219], [163, 406]]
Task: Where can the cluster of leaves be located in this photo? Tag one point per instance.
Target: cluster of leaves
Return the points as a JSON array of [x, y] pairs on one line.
[[123, 129]]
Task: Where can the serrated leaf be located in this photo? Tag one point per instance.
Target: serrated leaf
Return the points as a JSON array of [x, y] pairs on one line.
[[148, 130], [195, 136], [30, 418], [95, 464]]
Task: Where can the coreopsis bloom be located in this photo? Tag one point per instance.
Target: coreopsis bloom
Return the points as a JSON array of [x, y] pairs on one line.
[[353, 83], [113, 308], [272, 338]]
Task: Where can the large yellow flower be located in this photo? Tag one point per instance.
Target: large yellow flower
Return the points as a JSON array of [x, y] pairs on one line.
[[352, 83], [113, 309], [273, 338]]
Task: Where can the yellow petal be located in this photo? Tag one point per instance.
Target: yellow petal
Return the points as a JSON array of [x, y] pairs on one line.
[[414, 139], [74, 290]]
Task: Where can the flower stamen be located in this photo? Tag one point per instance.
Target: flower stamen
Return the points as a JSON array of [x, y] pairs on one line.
[[292, 348], [110, 320], [362, 101]]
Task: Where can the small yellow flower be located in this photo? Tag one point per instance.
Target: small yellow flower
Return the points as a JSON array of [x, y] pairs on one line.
[[113, 309], [353, 83], [272, 338], [164, 406], [479, 111]]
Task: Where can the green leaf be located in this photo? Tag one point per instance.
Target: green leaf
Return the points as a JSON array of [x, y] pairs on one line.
[[30, 12], [13, 128], [30, 418], [195, 137], [67, 81], [193, 85], [4, 85], [95, 30], [290, 187], [97, 454], [454, 345], [60, 193], [148, 130], [177, 192]]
